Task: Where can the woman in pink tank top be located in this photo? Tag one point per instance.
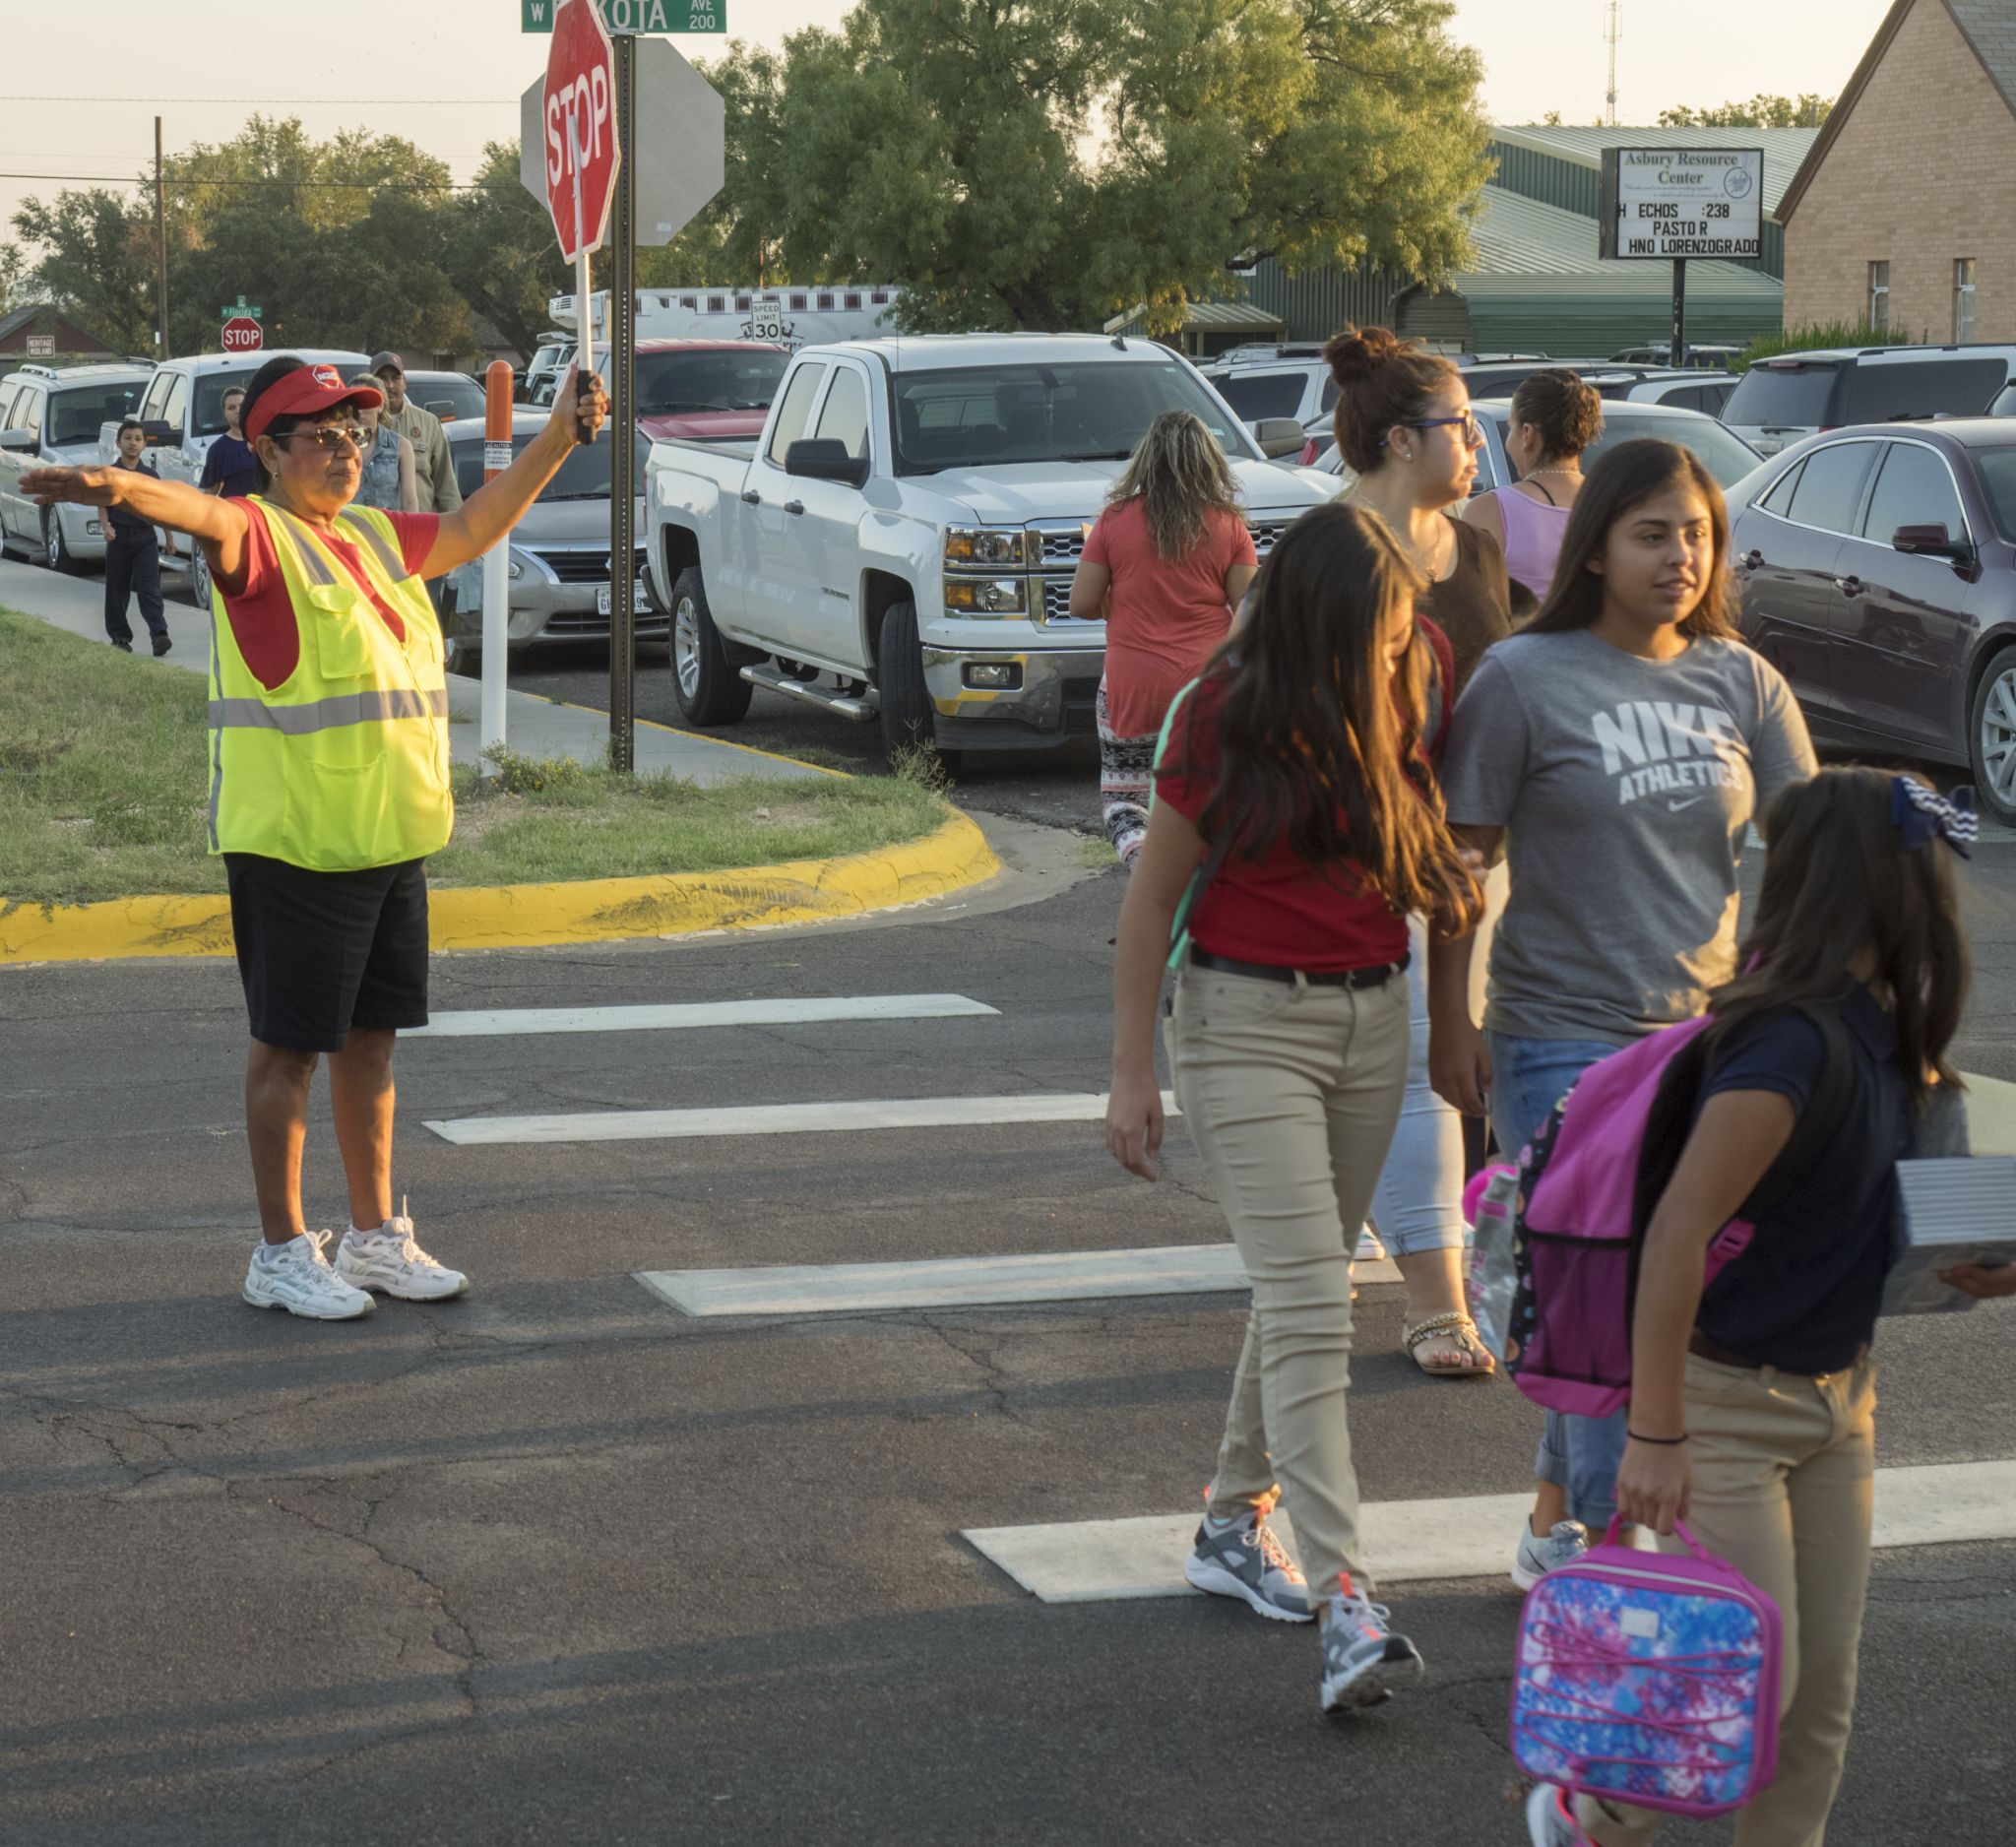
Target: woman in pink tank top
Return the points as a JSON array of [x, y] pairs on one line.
[[1554, 417]]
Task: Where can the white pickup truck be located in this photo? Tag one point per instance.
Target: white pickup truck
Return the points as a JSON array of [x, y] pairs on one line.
[[900, 540]]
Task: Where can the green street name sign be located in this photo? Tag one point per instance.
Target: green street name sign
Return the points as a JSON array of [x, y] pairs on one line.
[[232, 310], [636, 16]]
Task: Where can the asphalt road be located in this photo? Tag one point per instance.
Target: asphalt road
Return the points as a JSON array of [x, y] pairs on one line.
[[556, 1564]]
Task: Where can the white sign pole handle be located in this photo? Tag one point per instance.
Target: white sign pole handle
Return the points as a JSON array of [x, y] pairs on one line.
[[583, 319]]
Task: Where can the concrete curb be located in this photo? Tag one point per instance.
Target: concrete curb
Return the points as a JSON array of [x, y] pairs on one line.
[[533, 916]]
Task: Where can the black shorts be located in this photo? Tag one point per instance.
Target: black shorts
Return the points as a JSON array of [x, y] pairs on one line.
[[322, 952]]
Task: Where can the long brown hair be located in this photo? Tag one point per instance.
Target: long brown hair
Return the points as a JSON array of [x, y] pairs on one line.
[[1317, 746], [1619, 481], [1180, 477], [1838, 882], [1382, 381]]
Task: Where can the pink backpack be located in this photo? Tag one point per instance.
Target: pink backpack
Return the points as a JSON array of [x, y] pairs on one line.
[[1650, 1679], [1588, 1182]]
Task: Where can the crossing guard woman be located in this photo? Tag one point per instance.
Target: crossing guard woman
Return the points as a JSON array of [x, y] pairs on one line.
[[328, 790]]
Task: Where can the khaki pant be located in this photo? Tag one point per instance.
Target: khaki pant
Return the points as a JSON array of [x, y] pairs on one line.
[[1784, 1469], [1292, 1094]]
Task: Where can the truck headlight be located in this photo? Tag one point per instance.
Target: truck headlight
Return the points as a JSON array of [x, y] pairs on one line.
[[983, 546], [514, 570], [986, 595]]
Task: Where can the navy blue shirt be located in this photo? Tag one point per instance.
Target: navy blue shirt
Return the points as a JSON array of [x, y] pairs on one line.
[[1805, 1295], [128, 527], [230, 467]]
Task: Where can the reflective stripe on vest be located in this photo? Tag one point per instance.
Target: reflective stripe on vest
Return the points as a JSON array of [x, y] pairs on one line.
[[344, 765], [322, 715]]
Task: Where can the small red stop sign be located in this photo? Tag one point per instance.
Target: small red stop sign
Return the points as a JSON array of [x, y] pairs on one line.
[[242, 334]]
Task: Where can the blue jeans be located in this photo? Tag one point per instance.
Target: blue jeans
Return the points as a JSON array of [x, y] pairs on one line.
[[1419, 1205], [1528, 1077]]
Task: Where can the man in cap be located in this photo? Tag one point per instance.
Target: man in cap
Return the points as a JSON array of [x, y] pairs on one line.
[[328, 790], [433, 468]]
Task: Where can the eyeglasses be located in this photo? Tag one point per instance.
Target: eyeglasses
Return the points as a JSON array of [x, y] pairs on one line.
[[1467, 422], [327, 437]]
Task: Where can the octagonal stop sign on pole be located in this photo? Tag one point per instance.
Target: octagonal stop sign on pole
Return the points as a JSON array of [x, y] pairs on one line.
[[242, 334], [578, 141]]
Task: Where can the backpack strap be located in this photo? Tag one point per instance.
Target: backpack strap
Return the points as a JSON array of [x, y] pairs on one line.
[[1213, 858]]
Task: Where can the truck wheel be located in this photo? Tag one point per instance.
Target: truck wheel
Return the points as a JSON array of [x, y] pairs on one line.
[[199, 576], [55, 548], [908, 718], [1991, 737], [707, 689]]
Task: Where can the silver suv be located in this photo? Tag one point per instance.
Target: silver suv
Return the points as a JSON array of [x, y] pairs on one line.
[[50, 417]]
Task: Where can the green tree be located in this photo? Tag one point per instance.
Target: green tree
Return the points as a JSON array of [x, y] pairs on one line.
[[1017, 164], [501, 254], [344, 242], [96, 260], [1761, 112]]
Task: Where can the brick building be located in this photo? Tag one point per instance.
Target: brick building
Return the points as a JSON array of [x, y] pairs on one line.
[[1903, 213]]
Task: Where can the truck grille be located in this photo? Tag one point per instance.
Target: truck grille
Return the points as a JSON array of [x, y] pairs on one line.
[[587, 626], [1063, 540], [582, 567], [1057, 604]]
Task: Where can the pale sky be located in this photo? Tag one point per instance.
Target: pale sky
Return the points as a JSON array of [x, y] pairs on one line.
[[448, 72]]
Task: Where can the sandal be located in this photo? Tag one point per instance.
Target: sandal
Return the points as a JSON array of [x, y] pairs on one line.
[[1476, 1363]]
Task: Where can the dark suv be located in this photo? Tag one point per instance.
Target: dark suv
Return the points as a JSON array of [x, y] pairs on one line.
[[1877, 565], [1800, 394]]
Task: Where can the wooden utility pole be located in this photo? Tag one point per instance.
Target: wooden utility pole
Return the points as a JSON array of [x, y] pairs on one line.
[[160, 239]]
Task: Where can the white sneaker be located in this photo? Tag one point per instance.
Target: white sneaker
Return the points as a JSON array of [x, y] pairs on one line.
[[1370, 1250], [296, 1276], [390, 1261]]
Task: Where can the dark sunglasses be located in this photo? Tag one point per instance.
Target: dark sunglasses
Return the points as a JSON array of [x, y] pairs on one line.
[[328, 436]]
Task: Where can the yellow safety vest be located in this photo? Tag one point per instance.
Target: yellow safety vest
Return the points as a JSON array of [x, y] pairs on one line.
[[344, 764]]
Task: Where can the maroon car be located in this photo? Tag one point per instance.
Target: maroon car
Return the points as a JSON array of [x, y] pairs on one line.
[[1877, 565], [705, 390]]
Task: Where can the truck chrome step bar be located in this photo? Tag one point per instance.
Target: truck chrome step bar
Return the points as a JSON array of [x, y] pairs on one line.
[[771, 678]]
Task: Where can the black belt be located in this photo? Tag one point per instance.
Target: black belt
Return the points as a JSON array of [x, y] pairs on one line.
[[1315, 978]]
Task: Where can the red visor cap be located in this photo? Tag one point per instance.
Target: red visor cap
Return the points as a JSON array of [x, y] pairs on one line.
[[308, 393]]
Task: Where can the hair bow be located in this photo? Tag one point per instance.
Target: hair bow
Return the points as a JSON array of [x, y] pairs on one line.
[[1922, 814]]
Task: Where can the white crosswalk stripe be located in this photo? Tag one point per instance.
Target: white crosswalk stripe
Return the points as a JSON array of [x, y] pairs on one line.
[[782, 1119], [502, 1022], [965, 1282], [1471, 1536]]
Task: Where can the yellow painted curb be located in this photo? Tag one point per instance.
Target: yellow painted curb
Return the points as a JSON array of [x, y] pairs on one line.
[[530, 916]]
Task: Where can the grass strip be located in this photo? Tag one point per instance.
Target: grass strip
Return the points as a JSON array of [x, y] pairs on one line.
[[103, 780]]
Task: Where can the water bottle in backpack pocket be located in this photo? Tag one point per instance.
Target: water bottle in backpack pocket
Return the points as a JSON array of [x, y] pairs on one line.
[[1650, 1679]]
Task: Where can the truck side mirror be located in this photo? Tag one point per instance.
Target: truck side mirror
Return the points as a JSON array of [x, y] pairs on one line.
[[1279, 436], [16, 439], [825, 459], [160, 430]]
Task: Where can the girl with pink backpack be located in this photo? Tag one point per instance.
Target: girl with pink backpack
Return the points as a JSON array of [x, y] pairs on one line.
[[1752, 1392]]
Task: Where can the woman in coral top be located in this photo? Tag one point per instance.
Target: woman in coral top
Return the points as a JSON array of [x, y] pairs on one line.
[[1166, 563]]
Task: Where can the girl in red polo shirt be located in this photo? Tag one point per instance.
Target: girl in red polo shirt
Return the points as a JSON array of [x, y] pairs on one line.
[[1293, 789]]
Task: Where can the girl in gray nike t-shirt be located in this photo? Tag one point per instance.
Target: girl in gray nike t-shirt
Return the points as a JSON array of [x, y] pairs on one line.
[[1617, 749]]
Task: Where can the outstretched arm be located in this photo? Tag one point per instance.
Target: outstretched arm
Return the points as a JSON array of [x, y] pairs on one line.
[[217, 525], [497, 506]]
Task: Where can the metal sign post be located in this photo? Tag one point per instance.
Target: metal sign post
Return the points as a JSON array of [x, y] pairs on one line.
[[1679, 355], [622, 383]]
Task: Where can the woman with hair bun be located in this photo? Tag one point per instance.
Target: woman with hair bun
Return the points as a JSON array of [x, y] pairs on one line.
[[1404, 424], [1554, 417]]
